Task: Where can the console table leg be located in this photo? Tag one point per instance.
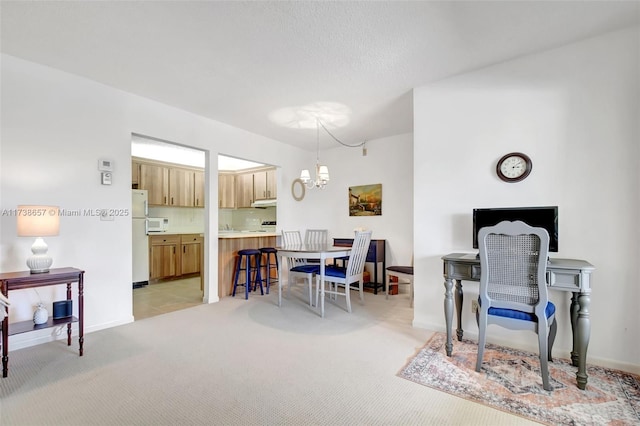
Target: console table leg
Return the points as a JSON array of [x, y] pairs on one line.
[[5, 335], [575, 307], [459, 300], [448, 313], [583, 333], [80, 313], [5, 347]]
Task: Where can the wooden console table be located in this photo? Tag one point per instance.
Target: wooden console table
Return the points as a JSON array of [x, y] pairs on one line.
[[25, 279], [567, 275], [375, 255]]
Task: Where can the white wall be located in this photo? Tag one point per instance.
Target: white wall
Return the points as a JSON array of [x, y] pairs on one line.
[[574, 111], [55, 127], [388, 162]]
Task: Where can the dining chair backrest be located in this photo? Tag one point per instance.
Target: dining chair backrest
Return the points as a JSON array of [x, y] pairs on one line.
[[358, 255], [316, 236], [293, 238]]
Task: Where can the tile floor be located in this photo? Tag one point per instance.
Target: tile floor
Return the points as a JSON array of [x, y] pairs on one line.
[[168, 296]]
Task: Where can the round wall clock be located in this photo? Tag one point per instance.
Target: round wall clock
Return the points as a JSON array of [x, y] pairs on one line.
[[514, 167]]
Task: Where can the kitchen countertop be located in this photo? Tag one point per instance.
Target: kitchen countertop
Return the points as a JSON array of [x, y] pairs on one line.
[[243, 234], [223, 234], [175, 233]]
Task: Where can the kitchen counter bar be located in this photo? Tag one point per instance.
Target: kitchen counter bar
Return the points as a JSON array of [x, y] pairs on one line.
[[228, 246]]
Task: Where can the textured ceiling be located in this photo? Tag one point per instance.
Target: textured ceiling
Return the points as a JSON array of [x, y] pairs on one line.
[[250, 63]]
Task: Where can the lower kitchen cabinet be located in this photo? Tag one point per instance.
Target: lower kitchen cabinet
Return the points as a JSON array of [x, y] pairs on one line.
[[174, 255], [163, 256], [191, 252]]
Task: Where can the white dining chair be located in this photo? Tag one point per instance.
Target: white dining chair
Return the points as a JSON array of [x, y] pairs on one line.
[[299, 268], [337, 277], [316, 236]]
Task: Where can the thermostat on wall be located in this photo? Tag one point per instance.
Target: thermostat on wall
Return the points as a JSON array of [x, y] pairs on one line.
[[105, 165]]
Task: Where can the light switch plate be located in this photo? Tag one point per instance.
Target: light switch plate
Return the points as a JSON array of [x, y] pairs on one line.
[[105, 216]]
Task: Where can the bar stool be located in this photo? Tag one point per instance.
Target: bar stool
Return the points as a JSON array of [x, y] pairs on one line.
[[247, 255], [269, 265]]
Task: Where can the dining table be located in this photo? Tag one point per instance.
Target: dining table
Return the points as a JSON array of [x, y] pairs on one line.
[[322, 252]]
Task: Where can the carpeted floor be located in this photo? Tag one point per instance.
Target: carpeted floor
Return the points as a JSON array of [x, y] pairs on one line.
[[510, 381], [239, 362]]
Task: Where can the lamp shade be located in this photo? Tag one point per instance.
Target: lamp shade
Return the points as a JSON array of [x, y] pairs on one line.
[[38, 221], [305, 176], [323, 173]]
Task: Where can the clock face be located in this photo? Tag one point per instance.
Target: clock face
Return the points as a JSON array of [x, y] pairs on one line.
[[514, 167]]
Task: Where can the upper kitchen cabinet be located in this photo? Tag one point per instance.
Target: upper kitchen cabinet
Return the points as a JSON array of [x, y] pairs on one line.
[[155, 179], [226, 191], [181, 187], [244, 190], [264, 185], [198, 189], [255, 185], [169, 184], [135, 174]]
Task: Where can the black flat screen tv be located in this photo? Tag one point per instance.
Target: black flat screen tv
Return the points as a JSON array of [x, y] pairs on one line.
[[543, 217]]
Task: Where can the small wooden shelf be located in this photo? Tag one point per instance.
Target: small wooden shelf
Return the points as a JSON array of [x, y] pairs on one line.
[[26, 326]]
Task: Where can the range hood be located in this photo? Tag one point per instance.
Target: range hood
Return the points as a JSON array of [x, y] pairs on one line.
[[261, 204]]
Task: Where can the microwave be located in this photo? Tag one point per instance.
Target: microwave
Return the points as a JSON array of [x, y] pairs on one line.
[[157, 224]]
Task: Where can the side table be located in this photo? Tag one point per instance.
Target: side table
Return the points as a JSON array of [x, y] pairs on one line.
[[25, 279]]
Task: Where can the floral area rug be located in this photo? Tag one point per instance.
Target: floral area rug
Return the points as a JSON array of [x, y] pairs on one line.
[[510, 381]]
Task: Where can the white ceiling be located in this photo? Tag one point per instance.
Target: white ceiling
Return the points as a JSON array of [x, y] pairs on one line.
[[249, 63]]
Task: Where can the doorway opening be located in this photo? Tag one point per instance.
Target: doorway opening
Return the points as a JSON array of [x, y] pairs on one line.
[[168, 225]]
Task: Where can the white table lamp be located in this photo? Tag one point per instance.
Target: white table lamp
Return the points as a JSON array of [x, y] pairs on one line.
[[38, 221]]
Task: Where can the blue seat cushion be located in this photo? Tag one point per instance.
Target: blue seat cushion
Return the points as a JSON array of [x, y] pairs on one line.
[[525, 316], [307, 269], [335, 271]]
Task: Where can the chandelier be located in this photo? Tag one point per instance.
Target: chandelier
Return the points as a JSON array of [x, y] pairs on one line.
[[322, 172]]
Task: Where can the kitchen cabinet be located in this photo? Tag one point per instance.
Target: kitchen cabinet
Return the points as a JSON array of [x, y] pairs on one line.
[[181, 187], [168, 184], [198, 189], [226, 191], [135, 174], [244, 190], [264, 184], [164, 255], [190, 253], [175, 255], [155, 179], [256, 185]]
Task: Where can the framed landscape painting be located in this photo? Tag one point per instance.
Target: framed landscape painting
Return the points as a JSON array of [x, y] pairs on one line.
[[365, 200]]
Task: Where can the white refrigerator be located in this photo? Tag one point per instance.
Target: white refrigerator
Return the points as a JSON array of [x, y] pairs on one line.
[[139, 212]]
